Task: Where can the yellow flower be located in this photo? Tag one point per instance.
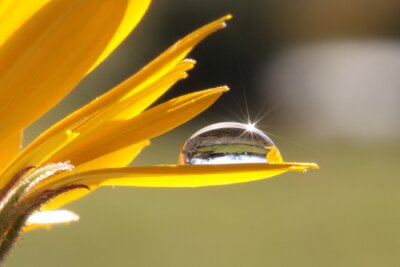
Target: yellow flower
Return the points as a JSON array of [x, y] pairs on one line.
[[46, 48]]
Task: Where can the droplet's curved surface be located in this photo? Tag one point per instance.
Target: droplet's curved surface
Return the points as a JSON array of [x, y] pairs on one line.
[[229, 143]]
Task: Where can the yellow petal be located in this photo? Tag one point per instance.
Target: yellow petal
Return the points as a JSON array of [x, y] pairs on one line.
[[147, 125], [13, 15], [48, 144], [197, 176], [131, 106], [116, 159], [139, 100], [174, 54], [138, 84], [177, 175], [167, 63], [120, 158], [45, 58], [36, 157], [162, 65], [133, 13], [9, 148]]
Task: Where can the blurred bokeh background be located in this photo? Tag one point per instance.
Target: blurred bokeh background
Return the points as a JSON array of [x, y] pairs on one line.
[[322, 78]]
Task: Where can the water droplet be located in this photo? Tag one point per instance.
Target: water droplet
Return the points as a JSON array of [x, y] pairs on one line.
[[229, 143]]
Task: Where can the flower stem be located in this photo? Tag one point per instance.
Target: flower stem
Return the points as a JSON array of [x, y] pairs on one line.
[[9, 238]]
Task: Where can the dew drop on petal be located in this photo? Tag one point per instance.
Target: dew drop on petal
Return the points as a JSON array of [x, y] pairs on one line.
[[229, 143]]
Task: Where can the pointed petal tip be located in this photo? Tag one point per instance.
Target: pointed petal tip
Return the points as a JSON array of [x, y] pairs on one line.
[[223, 88], [314, 166], [213, 26], [215, 90], [228, 16], [226, 88], [224, 19], [302, 167]]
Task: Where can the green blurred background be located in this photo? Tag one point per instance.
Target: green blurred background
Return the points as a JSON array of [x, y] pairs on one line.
[[326, 76]]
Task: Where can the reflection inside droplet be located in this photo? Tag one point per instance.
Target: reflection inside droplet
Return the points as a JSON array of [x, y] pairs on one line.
[[229, 143]]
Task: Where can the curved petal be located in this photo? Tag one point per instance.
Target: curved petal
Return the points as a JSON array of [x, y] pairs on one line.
[[197, 176], [147, 125], [53, 144], [31, 74], [140, 83], [13, 15], [9, 148], [133, 105], [119, 158], [43, 147], [116, 159], [133, 14], [177, 175]]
